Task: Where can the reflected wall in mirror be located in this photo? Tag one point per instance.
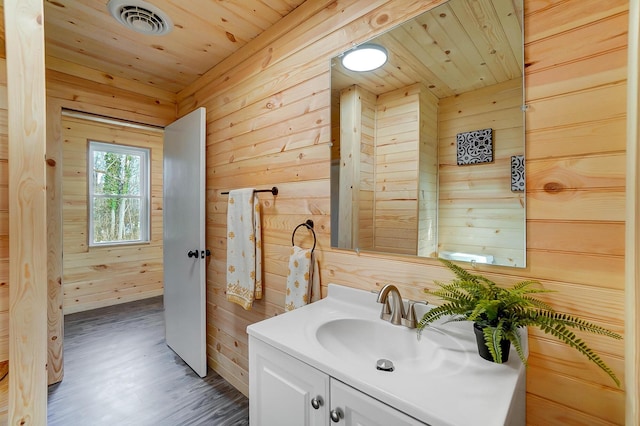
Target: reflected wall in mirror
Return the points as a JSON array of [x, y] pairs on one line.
[[396, 183]]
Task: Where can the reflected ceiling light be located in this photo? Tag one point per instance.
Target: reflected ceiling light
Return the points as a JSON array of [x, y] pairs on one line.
[[366, 57]]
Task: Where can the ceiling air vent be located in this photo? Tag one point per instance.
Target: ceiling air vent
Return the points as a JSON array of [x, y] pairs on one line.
[[140, 16]]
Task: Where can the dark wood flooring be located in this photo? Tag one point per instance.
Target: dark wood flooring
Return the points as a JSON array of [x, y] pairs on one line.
[[118, 370]]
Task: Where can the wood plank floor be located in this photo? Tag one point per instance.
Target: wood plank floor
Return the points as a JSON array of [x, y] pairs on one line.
[[119, 371]]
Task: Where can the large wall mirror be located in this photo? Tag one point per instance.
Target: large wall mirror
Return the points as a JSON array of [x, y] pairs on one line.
[[428, 149]]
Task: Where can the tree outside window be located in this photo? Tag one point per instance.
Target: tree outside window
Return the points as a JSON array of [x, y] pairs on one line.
[[118, 194]]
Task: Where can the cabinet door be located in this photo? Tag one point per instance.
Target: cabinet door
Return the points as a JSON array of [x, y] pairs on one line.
[[284, 391], [354, 408]]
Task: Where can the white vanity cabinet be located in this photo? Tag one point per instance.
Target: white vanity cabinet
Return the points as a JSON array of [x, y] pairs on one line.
[[354, 408], [284, 391], [320, 361]]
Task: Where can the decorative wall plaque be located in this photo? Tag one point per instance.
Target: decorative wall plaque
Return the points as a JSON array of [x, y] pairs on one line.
[[475, 147], [517, 173]]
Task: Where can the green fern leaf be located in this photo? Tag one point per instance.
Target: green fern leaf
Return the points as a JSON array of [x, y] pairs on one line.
[[477, 298]]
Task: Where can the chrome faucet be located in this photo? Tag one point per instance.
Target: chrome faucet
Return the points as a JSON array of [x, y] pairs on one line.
[[394, 312]]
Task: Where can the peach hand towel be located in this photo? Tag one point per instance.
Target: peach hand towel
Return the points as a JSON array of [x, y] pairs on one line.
[[244, 248], [303, 279]]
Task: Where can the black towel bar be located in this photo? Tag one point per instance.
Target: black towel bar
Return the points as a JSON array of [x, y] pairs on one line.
[[273, 190]]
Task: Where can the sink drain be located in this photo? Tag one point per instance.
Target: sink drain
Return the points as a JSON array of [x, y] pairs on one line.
[[384, 365]]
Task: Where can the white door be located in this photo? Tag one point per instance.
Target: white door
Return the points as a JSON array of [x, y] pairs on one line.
[[184, 239]]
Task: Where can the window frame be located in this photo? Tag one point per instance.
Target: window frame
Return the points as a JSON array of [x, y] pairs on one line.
[[144, 197]]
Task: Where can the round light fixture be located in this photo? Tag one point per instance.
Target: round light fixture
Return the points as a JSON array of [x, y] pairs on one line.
[[366, 57]]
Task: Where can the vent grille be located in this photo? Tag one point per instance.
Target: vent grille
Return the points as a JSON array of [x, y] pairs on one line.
[[140, 16]]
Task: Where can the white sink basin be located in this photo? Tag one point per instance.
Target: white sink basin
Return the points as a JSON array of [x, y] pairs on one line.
[[364, 341], [343, 336]]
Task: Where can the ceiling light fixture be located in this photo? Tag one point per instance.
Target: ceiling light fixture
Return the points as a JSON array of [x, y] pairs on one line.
[[366, 57], [140, 16]]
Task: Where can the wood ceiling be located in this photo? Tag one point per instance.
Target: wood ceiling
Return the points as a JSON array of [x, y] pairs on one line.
[[456, 47], [205, 32]]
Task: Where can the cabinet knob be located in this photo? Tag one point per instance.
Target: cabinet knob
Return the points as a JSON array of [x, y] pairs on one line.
[[317, 402], [336, 415]]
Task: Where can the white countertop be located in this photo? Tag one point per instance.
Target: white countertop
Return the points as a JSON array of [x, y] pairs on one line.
[[464, 389]]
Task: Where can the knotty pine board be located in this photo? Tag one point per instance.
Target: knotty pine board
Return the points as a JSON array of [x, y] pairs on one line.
[[28, 270], [4, 216]]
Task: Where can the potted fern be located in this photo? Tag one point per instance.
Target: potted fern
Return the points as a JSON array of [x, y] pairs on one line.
[[498, 312]]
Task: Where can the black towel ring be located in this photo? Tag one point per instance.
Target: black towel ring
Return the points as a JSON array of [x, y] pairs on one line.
[[309, 225]]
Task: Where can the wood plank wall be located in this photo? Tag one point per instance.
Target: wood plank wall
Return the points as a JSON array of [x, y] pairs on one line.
[[428, 174], [268, 124], [576, 89], [397, 160], [388, 143], [357, 171], [364, 208], [4, 231], [478, 213], [632, 233], [4, 216], [406, 170], [94, 277], [82, 89]]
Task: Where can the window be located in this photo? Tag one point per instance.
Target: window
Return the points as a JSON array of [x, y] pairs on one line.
[[118, 194]]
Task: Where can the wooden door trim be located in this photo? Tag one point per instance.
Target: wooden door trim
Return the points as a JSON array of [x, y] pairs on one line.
[[55, 314], [24, 35], [632, 249]]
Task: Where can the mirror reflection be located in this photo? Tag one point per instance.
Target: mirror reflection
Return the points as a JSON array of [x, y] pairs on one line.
[[428, 149]]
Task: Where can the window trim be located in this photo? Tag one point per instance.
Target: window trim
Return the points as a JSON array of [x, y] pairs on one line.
[[144, 197]]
